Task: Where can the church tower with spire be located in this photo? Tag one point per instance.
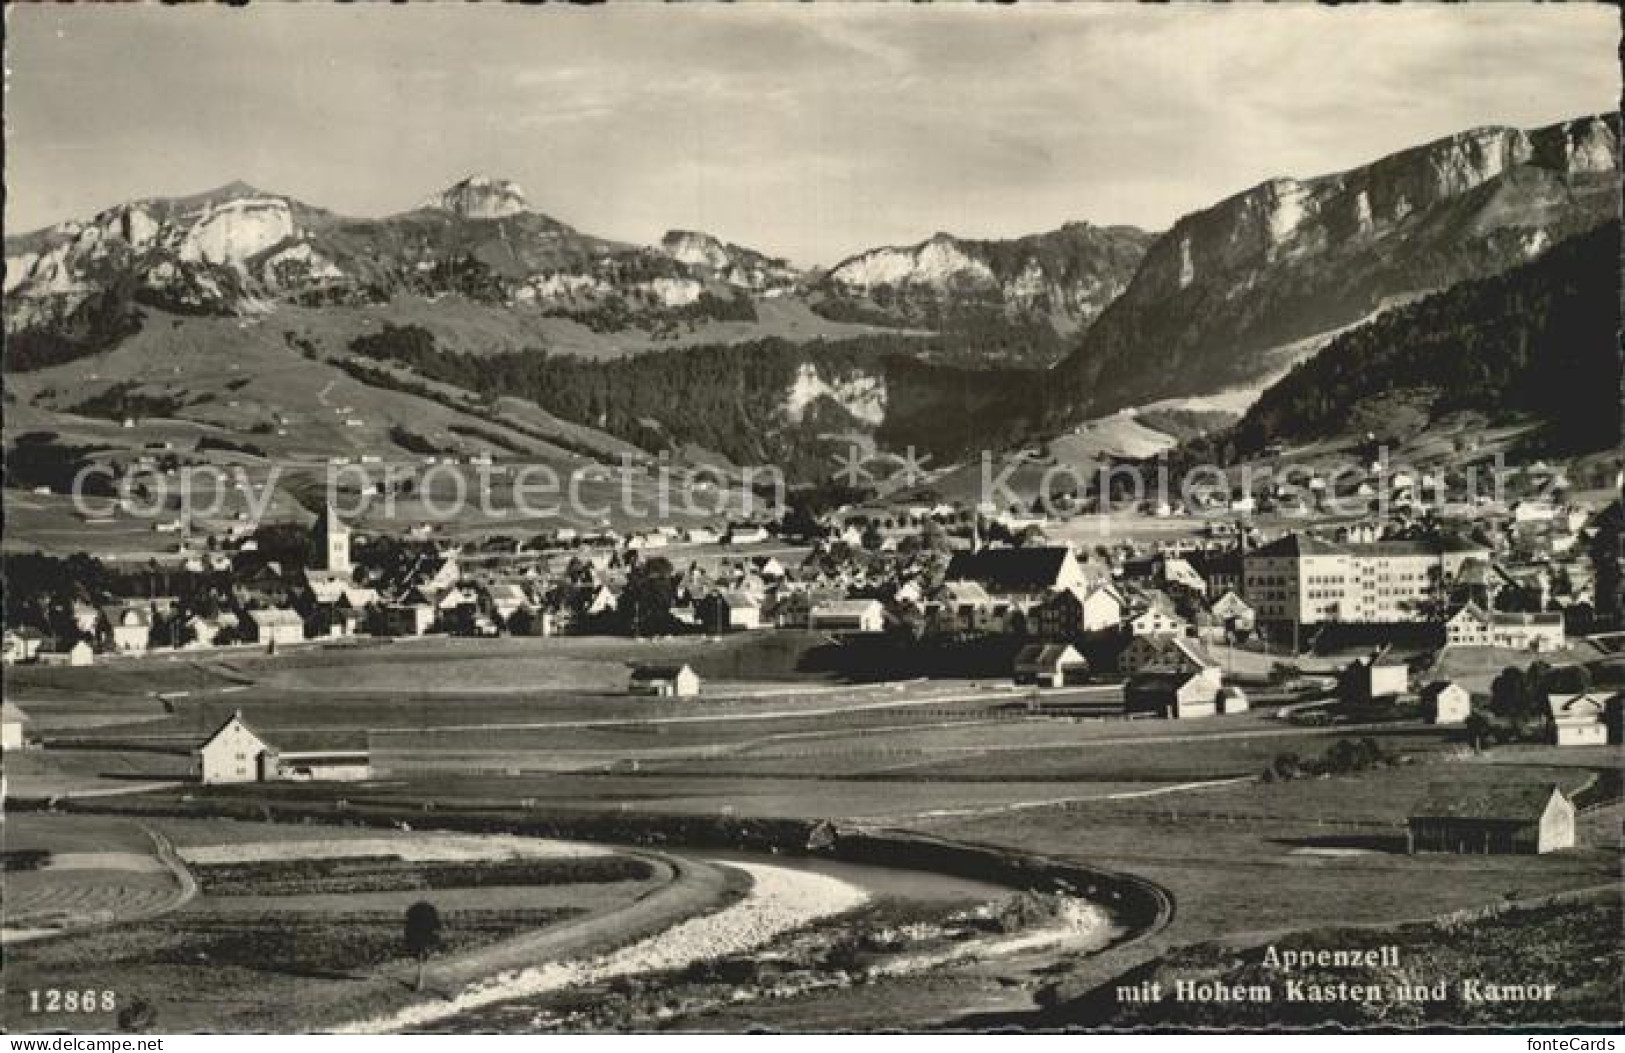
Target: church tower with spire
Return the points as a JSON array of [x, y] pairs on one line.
[[331, 542]]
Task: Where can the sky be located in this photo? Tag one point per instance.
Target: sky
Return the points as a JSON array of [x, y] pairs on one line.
[[808, 131]]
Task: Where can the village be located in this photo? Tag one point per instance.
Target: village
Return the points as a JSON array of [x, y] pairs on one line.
[[1419, 714], [1346, 617]]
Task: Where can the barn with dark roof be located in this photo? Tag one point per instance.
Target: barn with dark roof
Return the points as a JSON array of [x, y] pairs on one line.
[[1528, 819]]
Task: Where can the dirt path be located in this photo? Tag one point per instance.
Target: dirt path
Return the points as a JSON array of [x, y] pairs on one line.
[[1049, 802], [94, 907]]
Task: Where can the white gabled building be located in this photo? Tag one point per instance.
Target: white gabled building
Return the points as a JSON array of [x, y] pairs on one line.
[[236, 753], [664, 680], [1446, 702], [1579, 719], [126, 629], [847, 616], [13, 727], [231, 755], [276, 625]]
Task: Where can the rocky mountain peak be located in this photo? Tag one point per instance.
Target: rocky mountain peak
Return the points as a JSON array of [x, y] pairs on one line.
[[734, 264], [695, 247], [480, 197], [1232, 287]]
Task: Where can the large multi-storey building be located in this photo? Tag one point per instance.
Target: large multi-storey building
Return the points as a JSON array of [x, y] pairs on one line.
[[1303, 580]]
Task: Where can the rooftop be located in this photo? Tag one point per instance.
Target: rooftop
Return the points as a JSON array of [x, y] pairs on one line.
[[1516, 803]]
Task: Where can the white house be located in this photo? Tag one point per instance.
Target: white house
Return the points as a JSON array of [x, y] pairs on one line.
[[206, 632], [276, 625], [722, 611], [847, 616], [1233, 613], [13, 727], [1578, 720], [127, 629], [1102, 609], [1050, 665], [231, 754], [236, 753], [1178, 571], [1376, 676], [1527, 632], [80, 653], [1468, 627], [1446, 702], [1155, 622], [664, 681], [1175, 695], [22, 645]]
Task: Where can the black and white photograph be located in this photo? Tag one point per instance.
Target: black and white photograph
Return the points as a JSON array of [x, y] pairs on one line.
[[830, 518]]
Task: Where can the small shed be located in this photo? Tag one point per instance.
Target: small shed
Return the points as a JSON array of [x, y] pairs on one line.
[[1174, 695], [1379, 676], [1531, 819], [1446, 702], [664, 681], [81, 653], [1233, 700], [13, 727], [1050, 665]]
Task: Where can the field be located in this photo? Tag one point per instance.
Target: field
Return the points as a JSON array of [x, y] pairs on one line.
[[303, 927], [76, 872], [548, 737]]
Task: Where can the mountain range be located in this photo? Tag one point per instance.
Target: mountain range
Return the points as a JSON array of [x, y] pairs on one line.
[[238, 250], [1223, 296], [950, 343]]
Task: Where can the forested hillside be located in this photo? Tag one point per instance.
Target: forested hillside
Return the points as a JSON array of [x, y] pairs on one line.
[[1539, 340], [766, 401]]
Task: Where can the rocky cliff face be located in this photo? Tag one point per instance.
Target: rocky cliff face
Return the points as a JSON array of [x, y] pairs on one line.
[[237, 250], [189, 254], [732, 264], [1291, 258], [480, 197], [1060, 280]]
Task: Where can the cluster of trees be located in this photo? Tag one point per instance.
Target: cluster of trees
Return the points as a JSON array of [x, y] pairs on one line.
[[102, 321], [1517, 706], [37, 460], [40, 591], [1343, 757], [974, 334], [126, 400], [617, 313]]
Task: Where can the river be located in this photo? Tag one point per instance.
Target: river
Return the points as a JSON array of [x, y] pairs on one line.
[[788, 893]]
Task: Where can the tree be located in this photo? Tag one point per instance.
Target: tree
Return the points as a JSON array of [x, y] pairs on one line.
[[1509, 692], [646, 601], [137, 1014], [423, 931]]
